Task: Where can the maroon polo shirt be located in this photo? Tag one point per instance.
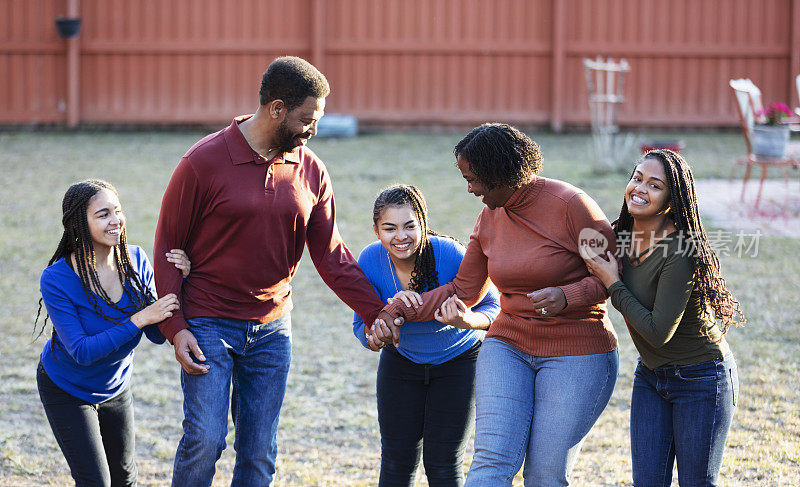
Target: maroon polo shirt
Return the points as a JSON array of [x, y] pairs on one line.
[[243, 221]]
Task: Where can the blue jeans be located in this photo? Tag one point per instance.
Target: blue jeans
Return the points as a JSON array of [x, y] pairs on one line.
[[535, 408], [255, 358], [682, 411]]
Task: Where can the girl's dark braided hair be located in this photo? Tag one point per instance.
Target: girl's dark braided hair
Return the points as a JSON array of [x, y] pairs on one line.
[[77, 240], [685, 215], [424, 276]]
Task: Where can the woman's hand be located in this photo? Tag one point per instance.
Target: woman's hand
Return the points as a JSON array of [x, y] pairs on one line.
[[156, 312], [548, 301], [373, 343], [453, 312], [605, 270], [181, 261], [387, 329], [409, 298]]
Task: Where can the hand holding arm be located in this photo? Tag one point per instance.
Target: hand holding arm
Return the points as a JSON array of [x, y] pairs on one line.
[[181, 261], [386, 328], [455, 313], [156, 312], [584, 217], [409, 298], [373, 343], [605, 270]]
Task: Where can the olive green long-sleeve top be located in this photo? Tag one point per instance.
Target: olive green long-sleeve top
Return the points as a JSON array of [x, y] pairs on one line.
[[663, 308]]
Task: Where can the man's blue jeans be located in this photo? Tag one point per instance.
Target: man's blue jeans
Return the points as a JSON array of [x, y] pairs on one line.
[[682, 411], [538, 409], [255, 358]]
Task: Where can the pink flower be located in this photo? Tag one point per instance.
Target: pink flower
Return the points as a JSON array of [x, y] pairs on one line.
[[775, 113]]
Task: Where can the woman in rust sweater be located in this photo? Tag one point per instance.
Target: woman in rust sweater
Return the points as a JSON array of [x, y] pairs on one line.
[[549, 362]]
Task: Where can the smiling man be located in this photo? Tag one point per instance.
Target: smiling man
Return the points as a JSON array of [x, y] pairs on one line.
[[242, 203]]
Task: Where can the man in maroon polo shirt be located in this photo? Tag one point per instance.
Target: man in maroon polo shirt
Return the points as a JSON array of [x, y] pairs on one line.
[[243, 202]]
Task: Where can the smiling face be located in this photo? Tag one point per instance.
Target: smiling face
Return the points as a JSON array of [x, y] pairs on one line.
[[105, 219], [399, 231], [647, 194], [493, 198], [300, 124]]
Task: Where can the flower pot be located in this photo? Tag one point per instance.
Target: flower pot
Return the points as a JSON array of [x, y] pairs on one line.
[[770, 140], [68, 27]]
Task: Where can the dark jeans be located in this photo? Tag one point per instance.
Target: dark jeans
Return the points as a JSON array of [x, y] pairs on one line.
[[96, 439], [682, 412], [427, 408]]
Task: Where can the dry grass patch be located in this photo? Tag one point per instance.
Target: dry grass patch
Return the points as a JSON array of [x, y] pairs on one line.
[[328, 433]]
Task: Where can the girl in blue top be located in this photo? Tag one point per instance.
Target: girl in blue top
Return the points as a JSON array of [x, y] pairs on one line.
[[100, 296], [425, 385]]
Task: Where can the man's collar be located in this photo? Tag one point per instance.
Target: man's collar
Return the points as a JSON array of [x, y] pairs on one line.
[[241, 152]]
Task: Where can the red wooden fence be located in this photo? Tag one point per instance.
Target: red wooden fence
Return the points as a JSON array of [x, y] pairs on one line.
[[393, 61]]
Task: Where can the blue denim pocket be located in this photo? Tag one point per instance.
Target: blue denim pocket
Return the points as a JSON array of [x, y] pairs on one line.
[[704, 371]]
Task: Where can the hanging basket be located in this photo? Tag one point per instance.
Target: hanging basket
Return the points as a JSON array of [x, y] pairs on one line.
[[68, 27], [770, 140]]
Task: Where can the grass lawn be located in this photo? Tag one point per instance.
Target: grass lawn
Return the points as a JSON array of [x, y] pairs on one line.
[[328, 433]]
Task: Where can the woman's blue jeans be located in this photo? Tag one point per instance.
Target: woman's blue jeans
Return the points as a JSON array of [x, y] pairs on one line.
[[255, 358], [536, 409], [683, 412]]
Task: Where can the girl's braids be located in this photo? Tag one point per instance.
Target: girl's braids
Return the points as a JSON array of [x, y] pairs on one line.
[[76, 239], [686, 217], [424, 276]]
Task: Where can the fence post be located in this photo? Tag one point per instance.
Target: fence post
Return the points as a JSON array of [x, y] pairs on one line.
[[73, 70], [318, 34], [557, 73]]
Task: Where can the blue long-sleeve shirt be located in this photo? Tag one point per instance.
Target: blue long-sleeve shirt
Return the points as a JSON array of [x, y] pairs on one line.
[[424, 342], [90, 357]]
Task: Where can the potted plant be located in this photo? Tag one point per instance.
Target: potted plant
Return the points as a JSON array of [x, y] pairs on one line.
[[770, 134]]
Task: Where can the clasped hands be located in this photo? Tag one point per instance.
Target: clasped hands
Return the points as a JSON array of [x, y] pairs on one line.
[[386, 328]]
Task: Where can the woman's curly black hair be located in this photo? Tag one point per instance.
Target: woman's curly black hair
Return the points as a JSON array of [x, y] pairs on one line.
[[77, 239], [500, 155], [686, 218], [424, 276]]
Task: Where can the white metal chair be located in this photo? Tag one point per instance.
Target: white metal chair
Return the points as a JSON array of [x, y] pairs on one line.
[[797, 82], [748, 104], [605, 81]]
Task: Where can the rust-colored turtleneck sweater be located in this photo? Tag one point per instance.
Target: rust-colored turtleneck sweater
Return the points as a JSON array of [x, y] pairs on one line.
[[529, 244]]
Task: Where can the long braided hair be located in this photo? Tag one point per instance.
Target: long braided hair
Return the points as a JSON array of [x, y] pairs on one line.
[[77, 240], [424, 276], [686, 217]]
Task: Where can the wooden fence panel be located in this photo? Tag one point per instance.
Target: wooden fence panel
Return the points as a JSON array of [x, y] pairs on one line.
[[441, 61], [682, 54], [32, 63], [394, 61]]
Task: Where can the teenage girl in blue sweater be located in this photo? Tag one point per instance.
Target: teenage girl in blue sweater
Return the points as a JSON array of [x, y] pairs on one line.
[[100, 296], [426, 385]]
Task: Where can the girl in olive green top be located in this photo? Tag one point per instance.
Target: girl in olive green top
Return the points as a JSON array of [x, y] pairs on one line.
[[677, 309]]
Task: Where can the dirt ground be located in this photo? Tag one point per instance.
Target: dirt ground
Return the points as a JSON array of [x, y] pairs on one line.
[[777, 214]]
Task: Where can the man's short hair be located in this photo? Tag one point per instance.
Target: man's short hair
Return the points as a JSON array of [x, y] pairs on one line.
[[292, 79]]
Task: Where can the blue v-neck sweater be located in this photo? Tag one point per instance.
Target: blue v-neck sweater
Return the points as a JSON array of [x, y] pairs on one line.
[[424, 342], [89, 357]]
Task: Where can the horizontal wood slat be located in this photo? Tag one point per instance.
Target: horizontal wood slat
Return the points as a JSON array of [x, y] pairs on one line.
[[396, 61]]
